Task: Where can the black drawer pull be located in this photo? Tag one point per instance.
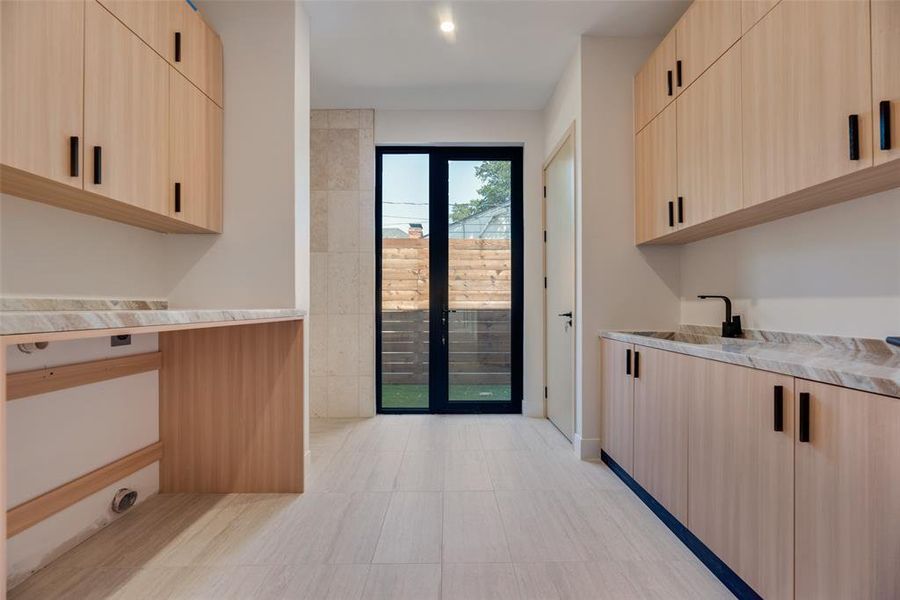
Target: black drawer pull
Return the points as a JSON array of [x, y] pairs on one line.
[[177, 46], [637, 364], [678, 72], [628, 361], [177, 197], [73, 156], [98, 154], [680, 209], [669, 80], [884, 111], [779, 408], [803, 434], [671, 214], [853, 130]]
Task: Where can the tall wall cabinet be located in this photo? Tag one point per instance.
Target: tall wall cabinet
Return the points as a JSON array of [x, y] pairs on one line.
[[114, 109], [779, 107]]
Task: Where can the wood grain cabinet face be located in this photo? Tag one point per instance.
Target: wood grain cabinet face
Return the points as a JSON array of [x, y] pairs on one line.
[[651, 88], [42, 87], [148, 19], [126, 89], [708, 116], [617, 397], [741, 473], [200, 53], [754, 10], [195, 138], [662, 391], [655, 175], [847, 495], [703, 34], [806, 67], [886, 76]]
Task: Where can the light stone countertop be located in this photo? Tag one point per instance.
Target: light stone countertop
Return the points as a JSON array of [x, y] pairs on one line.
[[868, 365]]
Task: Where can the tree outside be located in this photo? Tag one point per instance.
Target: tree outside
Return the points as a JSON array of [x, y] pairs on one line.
[[495, 177]]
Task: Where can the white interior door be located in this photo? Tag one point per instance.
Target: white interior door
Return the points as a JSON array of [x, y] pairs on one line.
[[559, 207]]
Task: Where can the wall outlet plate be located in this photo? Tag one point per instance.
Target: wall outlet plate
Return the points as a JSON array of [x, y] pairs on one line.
[[120, 340]]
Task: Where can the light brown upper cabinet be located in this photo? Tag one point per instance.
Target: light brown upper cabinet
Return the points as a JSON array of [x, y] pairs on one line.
[[617, 401], [741, 472], [196, 50], [806, 97], [703, 34], [148, 19], [754, 10], [663, 385], [195, 138], [126, 117], [654, 84], [42, 77], [708, 116], [655, 183], [886, 79], [847, 477]]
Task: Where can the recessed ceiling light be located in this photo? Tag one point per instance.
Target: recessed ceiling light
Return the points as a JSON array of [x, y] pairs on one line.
[[448, 26]]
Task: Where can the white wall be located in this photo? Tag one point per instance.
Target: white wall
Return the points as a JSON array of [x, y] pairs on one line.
[[619, 286], [427, 127], [835, 271]]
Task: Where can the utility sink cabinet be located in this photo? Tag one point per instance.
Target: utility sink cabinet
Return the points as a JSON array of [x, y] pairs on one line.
[[793, 484]]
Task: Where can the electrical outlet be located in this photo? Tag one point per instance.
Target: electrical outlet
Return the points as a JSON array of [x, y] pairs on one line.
[[120, 340]]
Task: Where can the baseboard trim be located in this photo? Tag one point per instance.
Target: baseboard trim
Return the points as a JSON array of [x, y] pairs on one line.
[[586, 448], [723, 572]]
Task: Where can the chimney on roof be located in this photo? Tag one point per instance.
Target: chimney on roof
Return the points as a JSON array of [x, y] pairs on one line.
[[415, 231]]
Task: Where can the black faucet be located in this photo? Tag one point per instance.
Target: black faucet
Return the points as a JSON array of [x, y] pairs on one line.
[[731, 326]]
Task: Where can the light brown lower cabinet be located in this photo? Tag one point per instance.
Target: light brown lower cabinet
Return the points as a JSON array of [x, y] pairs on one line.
[[741, 472], [618, 401], [663, 384], [847, 500]]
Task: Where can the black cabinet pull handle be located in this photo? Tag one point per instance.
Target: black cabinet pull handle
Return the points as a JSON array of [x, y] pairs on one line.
[[73, 156], [680, 209], [884, 111], [804, 417], [779, 408], [98, 154], [177, 196], [628, 361], [637, 364], [671, 214], [854, 136], [678, 72], [669, 80], [177, 46]]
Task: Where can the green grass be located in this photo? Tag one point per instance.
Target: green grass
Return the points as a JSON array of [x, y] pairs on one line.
[[396, 395]]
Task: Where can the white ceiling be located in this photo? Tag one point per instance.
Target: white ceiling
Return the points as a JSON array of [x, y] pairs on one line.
[[507, 54]]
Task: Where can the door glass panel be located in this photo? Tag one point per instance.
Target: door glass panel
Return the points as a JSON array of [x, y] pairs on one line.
[[479, 290], [404, 281]]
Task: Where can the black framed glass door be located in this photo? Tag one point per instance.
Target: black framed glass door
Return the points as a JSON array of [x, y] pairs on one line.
[[449, 279]]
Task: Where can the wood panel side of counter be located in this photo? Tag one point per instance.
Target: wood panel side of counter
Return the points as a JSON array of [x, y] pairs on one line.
[[231, 409]]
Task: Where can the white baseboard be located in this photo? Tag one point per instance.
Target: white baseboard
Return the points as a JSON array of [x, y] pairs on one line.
[[586, 449]]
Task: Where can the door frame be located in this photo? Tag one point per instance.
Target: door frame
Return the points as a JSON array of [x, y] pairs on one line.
[[576, 324], [439, 157]]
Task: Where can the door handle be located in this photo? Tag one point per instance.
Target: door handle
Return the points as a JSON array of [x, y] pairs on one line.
[[778, 406], [98, 169], [803, 433], [73, 156], [884, 113], [565, 314], [853, 130]]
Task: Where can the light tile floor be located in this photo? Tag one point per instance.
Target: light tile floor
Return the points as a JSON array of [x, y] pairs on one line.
[[418, 507]]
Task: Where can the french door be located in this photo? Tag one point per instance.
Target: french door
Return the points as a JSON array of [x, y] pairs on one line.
[[448, 279]]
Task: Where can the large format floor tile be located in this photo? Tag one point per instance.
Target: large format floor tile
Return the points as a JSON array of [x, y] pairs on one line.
[[418, 506]]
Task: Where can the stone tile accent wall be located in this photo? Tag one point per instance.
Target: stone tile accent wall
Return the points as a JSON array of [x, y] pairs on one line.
[[342, 263]]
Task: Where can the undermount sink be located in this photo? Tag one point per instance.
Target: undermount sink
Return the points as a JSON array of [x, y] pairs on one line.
[[687, 338]]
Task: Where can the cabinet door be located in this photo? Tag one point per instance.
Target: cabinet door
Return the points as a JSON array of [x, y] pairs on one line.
[[703, 34], [125, 114], [806, 69], [754, 10], [847, 495], [663, 386], [654, 177], [148, 19], [886, 77], [196, 153], [654, 84], [617, 397], [43, 75], [741, 473], [709, 143], [199, 57]]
